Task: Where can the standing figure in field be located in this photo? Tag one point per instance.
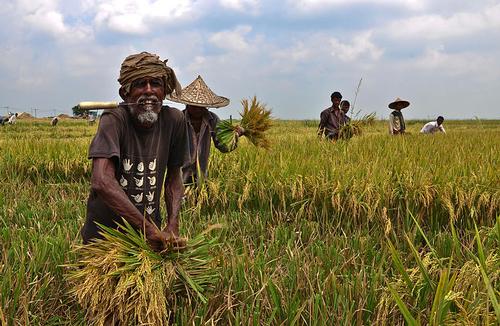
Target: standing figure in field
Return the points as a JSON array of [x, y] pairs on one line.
[[13, 119], [345, 106], [54, 121], [396, 121], [332, 118], [201, 123], [433, 126], [135, 145]]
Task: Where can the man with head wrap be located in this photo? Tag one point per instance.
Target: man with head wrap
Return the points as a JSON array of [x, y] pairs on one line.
[[135, 145]]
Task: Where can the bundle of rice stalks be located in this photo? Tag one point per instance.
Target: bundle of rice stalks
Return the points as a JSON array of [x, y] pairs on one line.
[[355, 127], [255, 121], [120, 279]]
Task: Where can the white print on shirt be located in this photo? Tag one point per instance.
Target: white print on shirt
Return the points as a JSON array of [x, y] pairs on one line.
[[137, 198], [150, 210], [127, 165], [140, 167], [150, 196], [139, 182], [152, 180], [152, 165], [123, 181]]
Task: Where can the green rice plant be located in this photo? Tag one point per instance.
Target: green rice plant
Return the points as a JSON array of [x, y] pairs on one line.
[[255, 121], [481, 260], [307, 217], [434, 294], [120, 278], [410, 320]]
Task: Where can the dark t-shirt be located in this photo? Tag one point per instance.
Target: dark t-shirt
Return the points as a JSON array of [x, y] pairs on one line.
[[331, 120], [141, 158]]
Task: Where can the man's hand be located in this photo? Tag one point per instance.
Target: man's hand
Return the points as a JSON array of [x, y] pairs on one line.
[[156, 239], [171, 233], [161, 240], [239, 130], [172, 228]]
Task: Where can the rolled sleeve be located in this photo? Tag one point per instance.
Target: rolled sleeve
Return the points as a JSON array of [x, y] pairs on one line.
[[106, 142]]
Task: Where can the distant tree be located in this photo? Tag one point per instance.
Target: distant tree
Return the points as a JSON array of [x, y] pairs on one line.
[[77, 112]]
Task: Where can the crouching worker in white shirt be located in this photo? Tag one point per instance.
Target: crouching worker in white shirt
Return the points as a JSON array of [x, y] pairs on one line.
[[433, 126]]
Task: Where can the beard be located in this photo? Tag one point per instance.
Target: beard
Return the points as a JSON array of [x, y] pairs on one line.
[[147, 117], [144, 113]]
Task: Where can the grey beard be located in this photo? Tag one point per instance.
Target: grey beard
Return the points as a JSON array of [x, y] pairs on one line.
[[147, 118]]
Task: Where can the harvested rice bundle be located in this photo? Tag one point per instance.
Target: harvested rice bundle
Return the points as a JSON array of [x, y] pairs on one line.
[[121, 279], [355, 127], [255, 121]]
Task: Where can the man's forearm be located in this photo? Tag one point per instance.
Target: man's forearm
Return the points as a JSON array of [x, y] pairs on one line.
[[174, 190]]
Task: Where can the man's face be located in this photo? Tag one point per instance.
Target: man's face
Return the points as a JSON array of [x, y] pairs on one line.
[[196, 112], [399, 106], [440, 121], [336, 101], [147, 94]]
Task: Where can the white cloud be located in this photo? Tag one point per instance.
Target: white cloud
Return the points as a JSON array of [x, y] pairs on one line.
[[316, 5], [361, 45], [469, 64], [291, 66], [242, 5], [44, 16], [434, 26], [198, 63], [35, 5], [50, 21], [298, 53], [139, 16], [233, 40]]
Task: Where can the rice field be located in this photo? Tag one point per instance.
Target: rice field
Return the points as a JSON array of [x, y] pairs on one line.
[[377, 230]]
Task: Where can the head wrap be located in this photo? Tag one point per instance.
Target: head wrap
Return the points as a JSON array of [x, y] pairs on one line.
[[145, 64]]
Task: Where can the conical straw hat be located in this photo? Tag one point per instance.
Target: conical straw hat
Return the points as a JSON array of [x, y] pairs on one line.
[[199, 94], [397, 101]]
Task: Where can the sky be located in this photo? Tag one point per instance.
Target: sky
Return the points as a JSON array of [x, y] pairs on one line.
[[441, 55]]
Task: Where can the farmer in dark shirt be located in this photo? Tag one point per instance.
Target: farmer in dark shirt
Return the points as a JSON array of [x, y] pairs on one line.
[[332, 118], [201, 127], [135, 145]]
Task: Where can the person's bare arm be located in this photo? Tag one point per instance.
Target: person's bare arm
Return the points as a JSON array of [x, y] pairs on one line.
[[103, 181], [174, 190]]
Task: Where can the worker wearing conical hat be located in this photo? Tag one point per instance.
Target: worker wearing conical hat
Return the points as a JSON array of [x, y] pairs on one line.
[[198, 97], [396, 121]]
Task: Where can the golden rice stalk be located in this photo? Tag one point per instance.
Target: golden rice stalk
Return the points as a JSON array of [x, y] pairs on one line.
[[255, 120], [355, 127], [121, 279]]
